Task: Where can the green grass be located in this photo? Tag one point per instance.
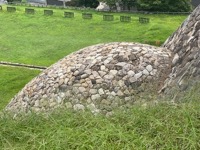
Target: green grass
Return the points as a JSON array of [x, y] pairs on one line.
[[43, 40], [12, 80], [160, 127]]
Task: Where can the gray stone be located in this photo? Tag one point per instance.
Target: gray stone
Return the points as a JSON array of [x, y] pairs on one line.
[[175, 59], [107, 61], [79, 107], [121, 83], [37, 103], [61, 81], [59, 100], [95, 97], [82, 89], [120, 93], [85, 85], [99, 81], [145, 72], [103, 67], [132, 79], [106, 102], [88, 71], [113, 72], [108, 114], [121, 64], [84, 76], [108, 77], [131, 73], [93, 91], [101, 91], [138, 75], [76, 73], [68, 105], [95, 74], [127, 99], [102, 73], [149, 68], [93, 108], [52, 105]]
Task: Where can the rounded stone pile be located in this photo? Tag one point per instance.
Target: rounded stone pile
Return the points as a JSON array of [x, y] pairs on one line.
[[99, 78]]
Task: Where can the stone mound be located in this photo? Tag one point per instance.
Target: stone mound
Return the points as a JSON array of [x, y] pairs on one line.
[[106, 76], [185, 48], [99, 78]]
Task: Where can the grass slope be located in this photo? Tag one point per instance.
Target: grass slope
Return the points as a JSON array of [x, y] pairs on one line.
[[159, 127], [12, 80], [43, 40]]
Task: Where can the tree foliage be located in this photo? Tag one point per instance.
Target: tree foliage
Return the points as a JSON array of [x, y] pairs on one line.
[[12, 1], [110, 3], [83, 3], [153, 5], [129, 3], [123, 3], [164, 5]]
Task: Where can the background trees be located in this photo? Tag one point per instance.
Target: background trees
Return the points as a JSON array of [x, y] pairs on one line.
[[128, 4], [124, 4], [83, 3], [164, 5], [143, 5], [153, 5]]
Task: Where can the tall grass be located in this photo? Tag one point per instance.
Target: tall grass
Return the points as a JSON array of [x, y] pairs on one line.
[[160, 127]]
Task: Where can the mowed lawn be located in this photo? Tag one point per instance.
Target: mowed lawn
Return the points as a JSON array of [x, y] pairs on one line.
[[43, 40], [12, 80]]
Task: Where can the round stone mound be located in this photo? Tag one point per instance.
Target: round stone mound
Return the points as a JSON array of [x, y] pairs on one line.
[[99, 78]]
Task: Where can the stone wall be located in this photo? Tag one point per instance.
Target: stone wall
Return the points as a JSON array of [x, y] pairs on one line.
[[99, 78], [185, 47]]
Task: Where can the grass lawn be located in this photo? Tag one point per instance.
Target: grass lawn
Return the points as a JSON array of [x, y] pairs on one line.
[[160, 127], [12, 80], [43, 40]]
